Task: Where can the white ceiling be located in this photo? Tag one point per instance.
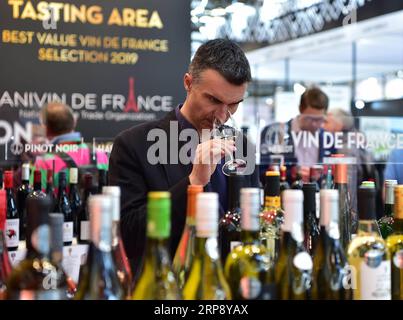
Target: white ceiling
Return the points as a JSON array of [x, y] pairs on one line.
[[327, 57]]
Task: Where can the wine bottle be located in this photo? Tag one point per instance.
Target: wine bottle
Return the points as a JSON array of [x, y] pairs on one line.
[[157, 280], [294, 266], [5, 265], [284, 185], [249, 269], [98, 277], [36, 278], [298, 182], [13, 220], [367, 253], [206, 279], [118, 250], [1, 178], [83, 218], [102, 179], [330, 267], [56, 221], [63, 206], [345, 219], [327, 182], [272, 216], [395, 245], [50, 190], [186, 248], [74, 197], [22, 193], [315, 176], [229, 225], [311, 228], [386, 222]]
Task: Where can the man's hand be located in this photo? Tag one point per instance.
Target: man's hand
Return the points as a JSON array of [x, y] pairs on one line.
[[208, 155]]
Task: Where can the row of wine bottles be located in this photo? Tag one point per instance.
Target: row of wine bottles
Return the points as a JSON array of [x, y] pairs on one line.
[[370, 268], [70, 199], [40, 276]]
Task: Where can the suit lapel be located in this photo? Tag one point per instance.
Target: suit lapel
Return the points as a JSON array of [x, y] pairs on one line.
[[176, 171]]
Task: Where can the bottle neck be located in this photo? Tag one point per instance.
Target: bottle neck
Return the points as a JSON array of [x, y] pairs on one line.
[[234, 187], [388, 210], [191, 209]]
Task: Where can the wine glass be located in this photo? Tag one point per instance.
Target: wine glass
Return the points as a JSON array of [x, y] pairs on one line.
[[229, 132]]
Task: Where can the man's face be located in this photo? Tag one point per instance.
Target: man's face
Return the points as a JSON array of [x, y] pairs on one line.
[[311, 119], [211, 96]]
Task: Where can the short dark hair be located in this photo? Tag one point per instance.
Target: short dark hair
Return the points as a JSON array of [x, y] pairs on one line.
[[315, 98], [224, 56], [58, 118]]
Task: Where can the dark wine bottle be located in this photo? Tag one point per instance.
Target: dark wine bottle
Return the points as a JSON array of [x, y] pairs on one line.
[[284, 185], [345, 218], [36, 278], [311, 228], [229, 225], [50, 189], [83, 218], [56, 221], [13, 220], [22, 193], [5, 265], [63, 206], [102, 179], [74, 197]]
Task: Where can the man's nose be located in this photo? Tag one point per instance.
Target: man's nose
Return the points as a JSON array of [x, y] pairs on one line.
[[222, 113]]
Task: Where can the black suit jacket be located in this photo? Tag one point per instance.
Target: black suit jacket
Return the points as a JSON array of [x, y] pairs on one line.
[[130, 169]]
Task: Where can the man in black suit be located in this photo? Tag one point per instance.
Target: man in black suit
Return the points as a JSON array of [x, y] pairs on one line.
[[216, 83]]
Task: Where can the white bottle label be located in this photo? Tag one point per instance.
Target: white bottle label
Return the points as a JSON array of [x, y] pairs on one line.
[[85, 230], [68, 232], [12, 232], [375, 282], [317, 200]]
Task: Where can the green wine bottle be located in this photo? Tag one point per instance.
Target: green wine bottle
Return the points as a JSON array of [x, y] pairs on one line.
[[330, 267], [157, 280], [385, 223], [367, 253], [185, 251], [249, 268], [294, 266], [395, 246], [98, 277], [206, 279]]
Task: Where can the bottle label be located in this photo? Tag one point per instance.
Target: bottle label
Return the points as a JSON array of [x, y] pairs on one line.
[[317, 200], [398, 259], [303, 261], [68, 232], [375, 281], [12, 232], [84, 230]]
